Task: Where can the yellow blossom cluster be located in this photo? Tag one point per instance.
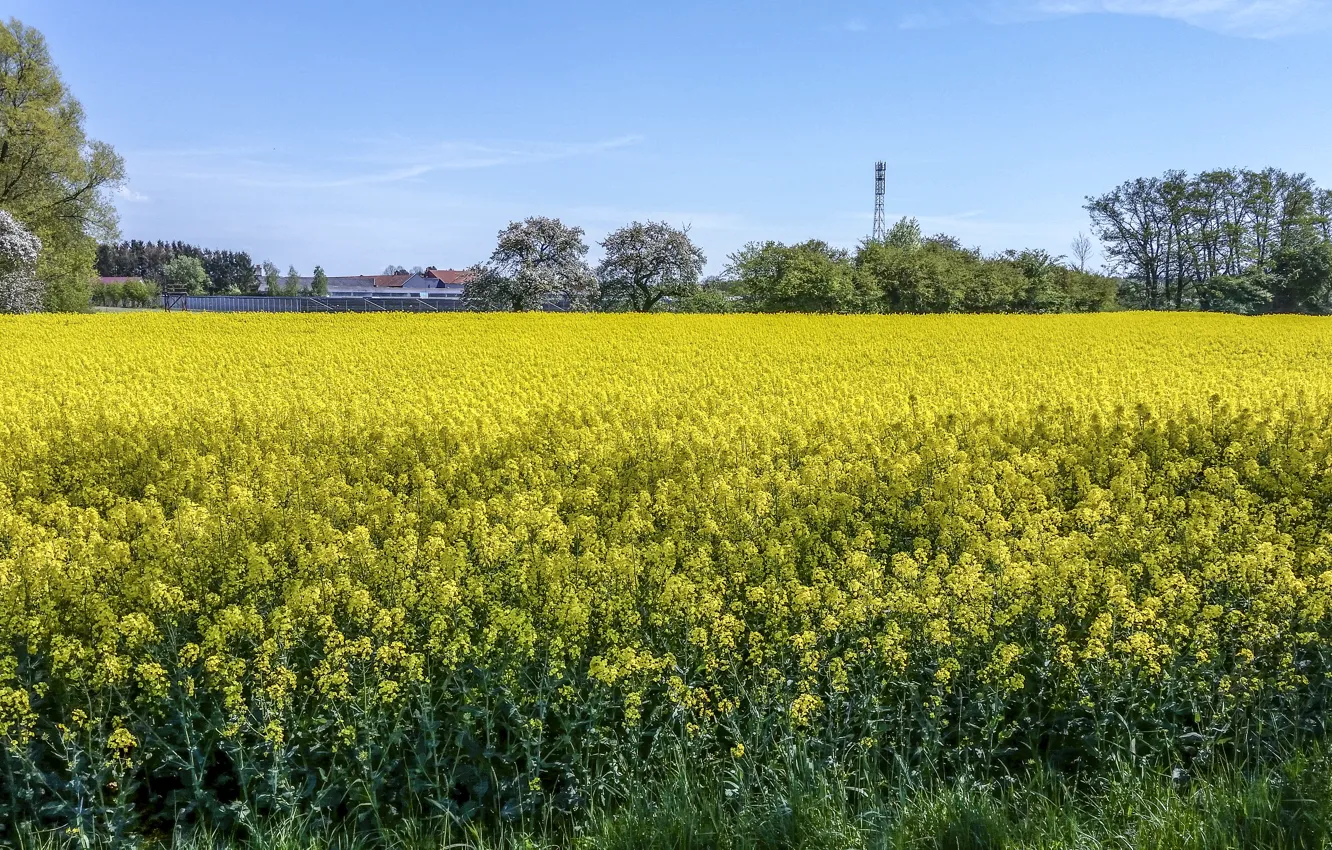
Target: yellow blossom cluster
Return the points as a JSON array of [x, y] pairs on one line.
[[555, 536]]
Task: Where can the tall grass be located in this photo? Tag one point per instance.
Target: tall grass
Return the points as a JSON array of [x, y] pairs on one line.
[[1286, 805]]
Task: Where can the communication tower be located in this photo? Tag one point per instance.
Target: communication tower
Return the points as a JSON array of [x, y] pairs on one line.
[[880, 189]]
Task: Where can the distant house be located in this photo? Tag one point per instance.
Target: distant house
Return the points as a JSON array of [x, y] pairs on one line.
[[431, 283], [451, 281]]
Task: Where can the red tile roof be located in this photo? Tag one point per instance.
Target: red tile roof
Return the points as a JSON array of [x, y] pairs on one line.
[[391, 279], [447, 275]]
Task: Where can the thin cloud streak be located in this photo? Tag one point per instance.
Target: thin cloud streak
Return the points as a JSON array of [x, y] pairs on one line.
[[241, 167], [1242, 18]]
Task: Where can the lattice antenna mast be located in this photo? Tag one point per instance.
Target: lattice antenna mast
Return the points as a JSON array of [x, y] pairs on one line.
[[880, 190]]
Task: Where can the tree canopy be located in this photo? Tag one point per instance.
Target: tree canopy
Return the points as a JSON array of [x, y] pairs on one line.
[[908, 273], [645, 263], [536, 262], [1227, 239], [228, 271], [811, 277], [319, 286], [53, 179], [185, 274]]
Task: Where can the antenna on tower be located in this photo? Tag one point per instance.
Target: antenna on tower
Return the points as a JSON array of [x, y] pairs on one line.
[[880, 189]]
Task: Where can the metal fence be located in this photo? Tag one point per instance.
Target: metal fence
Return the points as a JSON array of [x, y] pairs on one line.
[[330, 304], [311, 304]]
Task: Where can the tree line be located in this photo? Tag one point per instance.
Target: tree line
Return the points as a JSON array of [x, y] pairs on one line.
[[182, 267], [652, 265], [224, 271], [1230, 240]]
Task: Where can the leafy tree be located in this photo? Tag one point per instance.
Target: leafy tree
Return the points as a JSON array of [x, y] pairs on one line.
[[291, 286], [272, 278], [319, 286], [1172, 236], [535, 260], [229, 271], [1128, 221], [1041, 292], [941, 277], [1250, 292], [131, 293], [943, 240], [1301, 276], [809, 277], [647, 262], [140, 293], [20, 291], [186, 274], [711, 296], [53, 178], [905, 234], [1086, 292], [1322, 218], [933, 277]]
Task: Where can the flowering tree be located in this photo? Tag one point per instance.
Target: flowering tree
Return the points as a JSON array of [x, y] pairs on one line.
[[647, 262], [20, 292], [536, 259]]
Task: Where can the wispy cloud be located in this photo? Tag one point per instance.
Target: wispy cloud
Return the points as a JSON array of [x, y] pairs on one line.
[[1245, 18], [125, 193], [855, 25], [935, 16], [383, 161], [606, 217]]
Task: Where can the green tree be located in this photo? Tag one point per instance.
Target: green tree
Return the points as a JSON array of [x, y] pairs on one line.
[[186, 274], [713, 295], [1301, 276], [645, 263], [140, 293], [1247, 292], [292, 285], [930, 277], [54, 179], [811, 277], [230, 271], [905, 234], [1173, 236], [272, 278], [1086, 292], [319, 286], [1041, 291]]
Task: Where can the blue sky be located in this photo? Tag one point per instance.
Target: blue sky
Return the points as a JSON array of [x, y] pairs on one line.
[[358, 134]]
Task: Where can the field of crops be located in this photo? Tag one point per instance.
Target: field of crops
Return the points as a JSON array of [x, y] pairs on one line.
[[484, 566]]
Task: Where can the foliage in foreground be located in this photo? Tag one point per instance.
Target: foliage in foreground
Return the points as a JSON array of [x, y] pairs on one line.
[[255, 566], [1287, 804]]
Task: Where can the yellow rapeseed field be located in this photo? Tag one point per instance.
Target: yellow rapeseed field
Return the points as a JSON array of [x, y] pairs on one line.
[[464, 560]]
